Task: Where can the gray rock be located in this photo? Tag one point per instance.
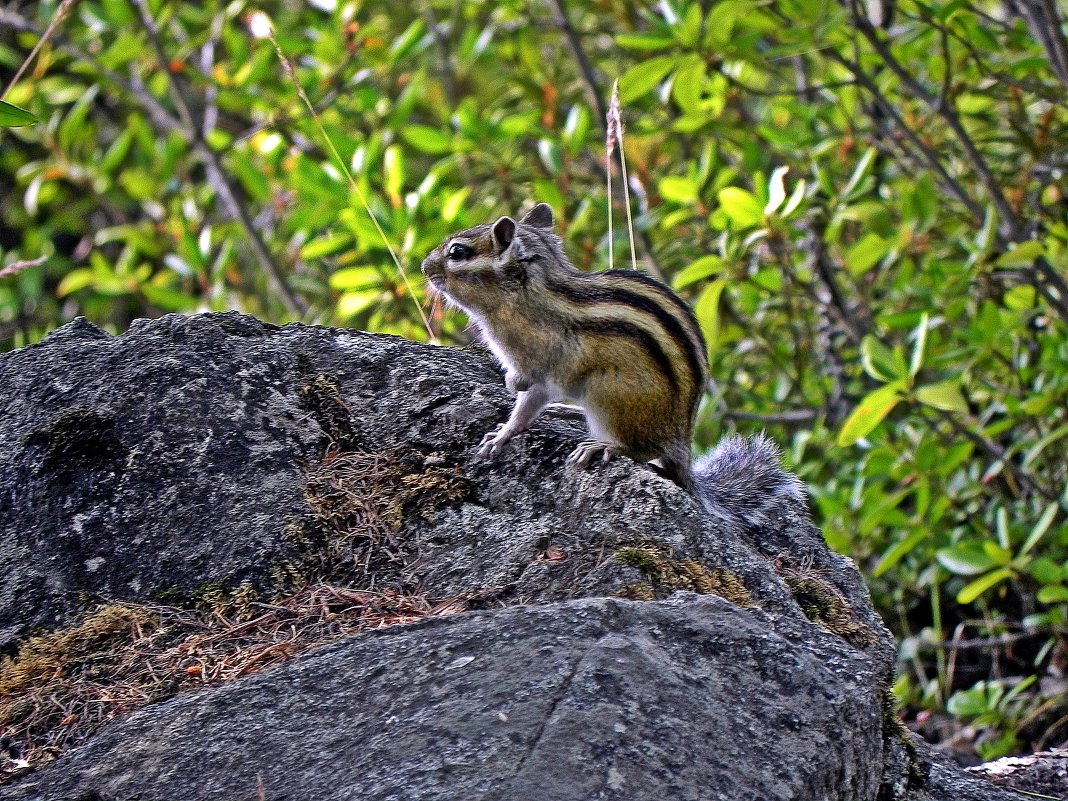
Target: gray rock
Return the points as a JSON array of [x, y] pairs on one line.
[[178, 455], [690, 698], [1044, 773]]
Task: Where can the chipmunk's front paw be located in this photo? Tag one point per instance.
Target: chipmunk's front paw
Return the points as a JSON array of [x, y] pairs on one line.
[[588, 451], [494, 441]]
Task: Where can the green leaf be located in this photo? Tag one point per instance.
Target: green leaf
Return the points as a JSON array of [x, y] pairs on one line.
[[689, 28], [741, 206], [945, 395], [1020, 298], [393, 168], [1045, 571], [899, 551], [356, 279], [325, 245], [644, 42], [643, 77], [352, 303], [13, 116], [707, 312], [678, 190], [795, 199], [689, 82], [1001, 527], [976, 588], [75, 280], [1022, 255], [169, 299], [967, 704], [879, 361], [1053, 594], [866, 253], [453, 203], [1041, 527], [698, 271], [871, 411], [965, 559], [1043, 443], [1000, 554], [407, 42], [859, 171], [551, 155], [427, 139]]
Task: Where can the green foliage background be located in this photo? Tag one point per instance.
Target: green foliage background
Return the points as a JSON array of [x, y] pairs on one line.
[[866, 204]]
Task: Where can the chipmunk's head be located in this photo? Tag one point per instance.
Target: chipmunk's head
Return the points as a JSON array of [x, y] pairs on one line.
[[485, 266]]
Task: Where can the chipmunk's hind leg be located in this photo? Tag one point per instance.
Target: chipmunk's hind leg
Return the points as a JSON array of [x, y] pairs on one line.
[[587, 452]]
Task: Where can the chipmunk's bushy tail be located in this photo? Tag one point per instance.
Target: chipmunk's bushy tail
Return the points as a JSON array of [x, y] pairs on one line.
[[742, 481]]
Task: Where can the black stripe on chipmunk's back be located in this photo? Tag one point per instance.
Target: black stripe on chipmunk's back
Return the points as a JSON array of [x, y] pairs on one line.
[[668, 294], [580, 290], [616, 328]]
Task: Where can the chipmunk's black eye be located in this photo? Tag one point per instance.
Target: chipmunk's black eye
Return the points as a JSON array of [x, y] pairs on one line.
[[460, 252]]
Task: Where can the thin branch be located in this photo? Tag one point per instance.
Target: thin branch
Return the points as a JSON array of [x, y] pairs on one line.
[[18, 266], [589, 79], [174, 88], [207, 64], [788, 417], [994, 450], [980, 643], [1009, 220], [61, 13], [1046, 25], [803, 92], [217, 176], [855, 326], [931, 158], [441, 45]]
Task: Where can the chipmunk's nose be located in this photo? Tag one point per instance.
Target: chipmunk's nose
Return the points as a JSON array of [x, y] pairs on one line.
[[434, 270]]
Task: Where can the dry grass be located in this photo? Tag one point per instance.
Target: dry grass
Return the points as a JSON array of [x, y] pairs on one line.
[[63, 685], [60, 687], [823, 603], [360, 499]]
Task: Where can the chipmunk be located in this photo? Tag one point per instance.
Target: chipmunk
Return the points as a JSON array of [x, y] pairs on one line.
[[619, 344]]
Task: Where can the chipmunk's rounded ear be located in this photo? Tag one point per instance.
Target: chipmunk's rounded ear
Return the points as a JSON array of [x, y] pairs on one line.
[[541, 216], [504, 232]]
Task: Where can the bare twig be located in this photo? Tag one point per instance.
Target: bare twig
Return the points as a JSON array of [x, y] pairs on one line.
[[207, 63], [788, 417], [217, 176], [1046, 25], [174, 87], [980, 643], [589, 79], [61, 13], [1010, 222], [18, 266], [948, 182]]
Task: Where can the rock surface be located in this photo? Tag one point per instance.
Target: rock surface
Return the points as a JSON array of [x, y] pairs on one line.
[[181, 455], [1044, 773]]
